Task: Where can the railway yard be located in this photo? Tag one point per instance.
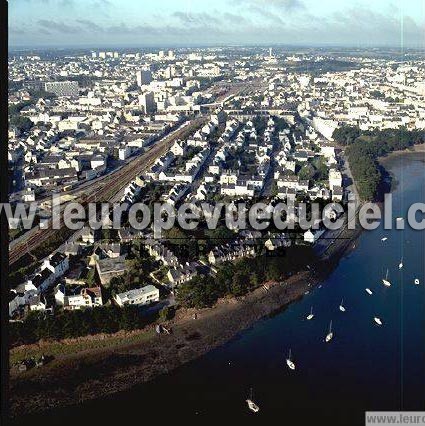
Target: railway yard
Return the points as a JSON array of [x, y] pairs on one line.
[[105, 189]]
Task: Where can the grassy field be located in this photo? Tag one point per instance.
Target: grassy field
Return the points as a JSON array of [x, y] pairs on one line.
[[60, 349]]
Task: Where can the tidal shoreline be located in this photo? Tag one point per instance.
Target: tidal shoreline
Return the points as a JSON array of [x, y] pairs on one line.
[[140, 356], [388, 181], [94, 373]]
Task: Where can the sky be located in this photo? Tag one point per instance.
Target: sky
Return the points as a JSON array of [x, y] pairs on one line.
[[129, 23]]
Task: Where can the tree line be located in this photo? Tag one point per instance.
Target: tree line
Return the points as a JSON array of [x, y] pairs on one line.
[[364, 147], [239, 278], [83, 322]]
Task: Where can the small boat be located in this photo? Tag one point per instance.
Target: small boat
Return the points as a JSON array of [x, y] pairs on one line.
[[369, 291], [341, 306], [400, 265], [399, 218], [310, 316], [330, 334], [417, 282], [252, 405], [384, 239], [289, 362], [385, 280], [377, 320]]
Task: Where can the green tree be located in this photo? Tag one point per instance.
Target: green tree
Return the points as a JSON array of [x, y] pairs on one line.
[[24, 124], [306, 172]]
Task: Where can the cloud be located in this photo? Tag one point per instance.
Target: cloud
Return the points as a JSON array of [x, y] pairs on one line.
[[90, 25], [272, 11], [196, 19], [44, 31], [287, 5], [265, 14], [281, 5], [57, 26], [17, 31], [258, 21]]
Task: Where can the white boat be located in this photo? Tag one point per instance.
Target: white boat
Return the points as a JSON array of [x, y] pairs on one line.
[[399, 218], [377, 320], [289, 361], [400, 265], [369, 291], [310, 316], [385, 280], [384, 239], [252, 405], [417, 282], [341, 306], [330, 334]]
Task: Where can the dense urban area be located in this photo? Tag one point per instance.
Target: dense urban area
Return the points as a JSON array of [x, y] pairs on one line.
[[187, 125]]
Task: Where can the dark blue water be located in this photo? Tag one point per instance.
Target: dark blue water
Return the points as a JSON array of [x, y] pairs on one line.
[[365, 367]]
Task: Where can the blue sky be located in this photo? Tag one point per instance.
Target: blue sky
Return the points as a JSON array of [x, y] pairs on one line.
[[197, 22]]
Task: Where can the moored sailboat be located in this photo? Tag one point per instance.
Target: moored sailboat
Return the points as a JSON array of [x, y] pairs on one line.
[[330, 334], [377, 320], [289, 361], [310, 315], [251, 404], [386, 281]]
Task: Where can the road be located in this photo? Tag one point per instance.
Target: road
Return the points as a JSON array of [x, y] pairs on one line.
[[332, 238]]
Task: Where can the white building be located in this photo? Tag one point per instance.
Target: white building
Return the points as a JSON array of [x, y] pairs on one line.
[[335, 179], [311, 236], [138, 296]]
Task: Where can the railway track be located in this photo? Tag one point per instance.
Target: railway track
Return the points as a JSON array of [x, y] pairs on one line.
[[107, 188]]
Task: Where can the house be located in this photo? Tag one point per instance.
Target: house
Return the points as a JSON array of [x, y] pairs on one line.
[[274, 242], [241, 188], [72, 249], [109, 268], [87, 298], [59, 294], [43, 280], [311, 236], [335, 179], [28, 195], [57, 263], [87, 235], [290, 181], [37, 303], [162, 253], [112, 250], [230, 252], [229, 177], [138, 296], [19, 299], [129, 234], [184, 273], [337, 193], [179, 148]]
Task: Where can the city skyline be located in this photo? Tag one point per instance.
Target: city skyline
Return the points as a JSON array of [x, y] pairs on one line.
[[68, 23]]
